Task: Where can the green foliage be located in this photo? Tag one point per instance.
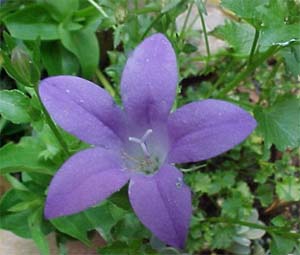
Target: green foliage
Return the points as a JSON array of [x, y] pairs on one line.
[[280, 123], [259, 72], [24, 157], [14, 106]]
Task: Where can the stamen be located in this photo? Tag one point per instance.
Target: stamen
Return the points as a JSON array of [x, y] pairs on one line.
[[148, 132], [141, 141]]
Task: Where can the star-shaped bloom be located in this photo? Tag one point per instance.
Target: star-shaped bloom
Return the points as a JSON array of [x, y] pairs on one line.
[[139, 143]]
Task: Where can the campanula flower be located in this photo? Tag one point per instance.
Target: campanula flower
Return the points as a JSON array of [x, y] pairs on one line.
[[139, 143]]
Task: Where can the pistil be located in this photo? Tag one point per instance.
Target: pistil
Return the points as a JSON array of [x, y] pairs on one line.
[[142, 141]]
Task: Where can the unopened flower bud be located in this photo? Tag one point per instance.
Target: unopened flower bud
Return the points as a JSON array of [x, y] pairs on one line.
[[24, 66]]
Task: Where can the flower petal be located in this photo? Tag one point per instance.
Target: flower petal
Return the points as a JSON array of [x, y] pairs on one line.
[[205, 129], [163, 204], [84, 180], [149, 80], [83, 109]]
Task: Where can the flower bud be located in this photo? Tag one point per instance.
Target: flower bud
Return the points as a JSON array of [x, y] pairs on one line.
[[24, 66]]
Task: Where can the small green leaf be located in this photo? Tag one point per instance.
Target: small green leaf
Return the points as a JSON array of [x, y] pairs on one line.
[[14, 106], [280, 123], [61, 9], [288, 189], [24, 157], [104, 217], [238, 35], [281, 245], [84, 45], [292, 59], [17, 223], [247, 10], [62, 62], [223, 236], [32, 22]]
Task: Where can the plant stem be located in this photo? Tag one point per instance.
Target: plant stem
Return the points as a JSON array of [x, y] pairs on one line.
[[243, 75], [185, 21], [254, 44], [204, 32], [105, 83], [100, 9], [151, 25], [52, 125], [270, 230]]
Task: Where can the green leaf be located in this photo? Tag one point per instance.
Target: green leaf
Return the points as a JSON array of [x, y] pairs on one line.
[[22, 206], [34, 222], [280, 123], [288, 189], [282, 35], [292, 59], [14, 106], [58, 60], [16, 223], [238, 35], [246, 9], [24, 157], [61, 9], [265, 194], [32, 22], [223, 236], [102, 217], [171, 5], [84, 45], [281, 245]]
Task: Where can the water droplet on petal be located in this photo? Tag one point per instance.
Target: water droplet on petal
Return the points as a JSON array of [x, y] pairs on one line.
[[67, 90], [147, 60], [179, 182], [81, 101]]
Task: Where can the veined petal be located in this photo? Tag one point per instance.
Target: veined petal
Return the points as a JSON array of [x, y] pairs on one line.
[[84, 180], [149, 80], [205, 129], [83, 109], [163, 204]]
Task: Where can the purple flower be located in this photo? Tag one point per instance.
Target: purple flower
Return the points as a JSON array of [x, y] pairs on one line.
[[140, 143]]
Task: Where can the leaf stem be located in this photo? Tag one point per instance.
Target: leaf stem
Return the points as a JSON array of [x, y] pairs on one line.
[[100, 9], [204, 33], [182, 33], [243, 75], [254, 44], [270, 230], [101, 77], [52, 125], [151, 25]]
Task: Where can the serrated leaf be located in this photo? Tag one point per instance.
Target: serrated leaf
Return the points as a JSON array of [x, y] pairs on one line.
[[24, 157], [280, 123], [223, 236], [288, 189], [238, 35], [246, 9], [14, 106]]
